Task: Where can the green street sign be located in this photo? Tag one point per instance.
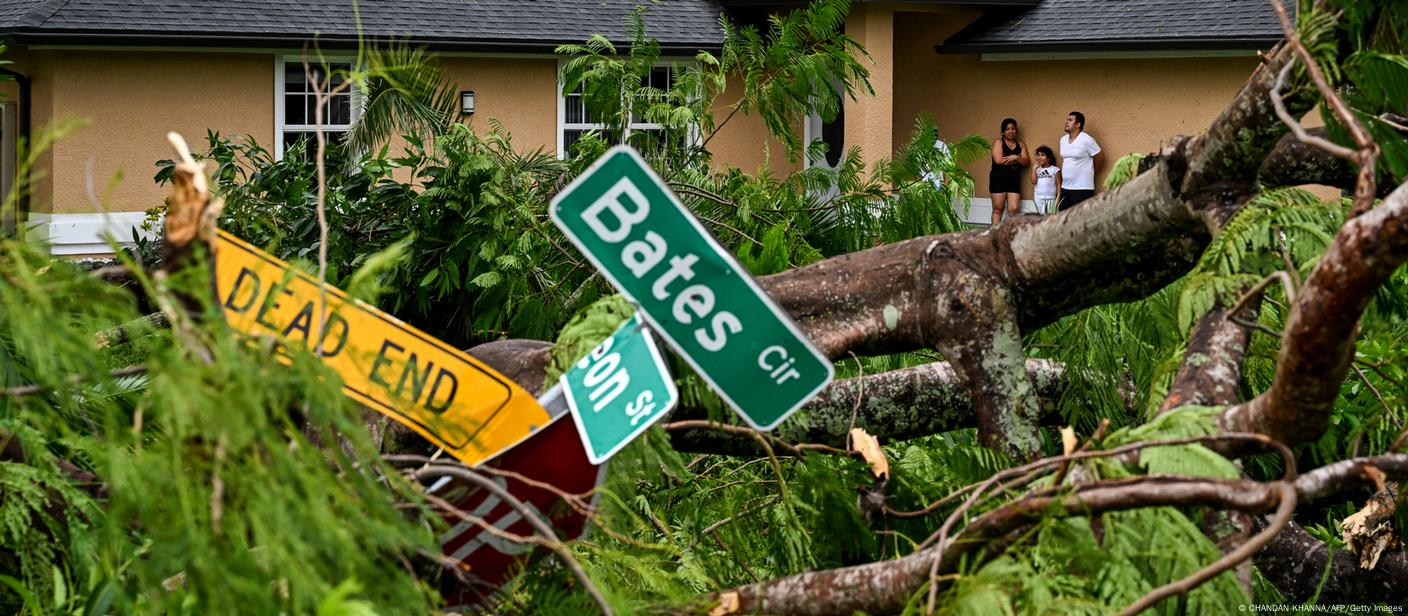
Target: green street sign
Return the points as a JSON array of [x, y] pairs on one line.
[[618, 390], [691, 290]]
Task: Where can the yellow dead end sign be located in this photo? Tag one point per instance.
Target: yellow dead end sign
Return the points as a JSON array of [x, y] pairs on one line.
[[450, 398]]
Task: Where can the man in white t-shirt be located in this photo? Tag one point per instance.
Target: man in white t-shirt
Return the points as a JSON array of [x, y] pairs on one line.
[[1080, 156]]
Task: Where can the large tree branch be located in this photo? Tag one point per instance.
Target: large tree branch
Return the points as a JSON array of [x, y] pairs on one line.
[[1294, 562], [1212, 364], [1318, 342], [894, 406], [1293, 163]]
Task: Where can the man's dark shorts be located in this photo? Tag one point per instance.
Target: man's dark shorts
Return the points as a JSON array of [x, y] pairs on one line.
[[1070, 197]]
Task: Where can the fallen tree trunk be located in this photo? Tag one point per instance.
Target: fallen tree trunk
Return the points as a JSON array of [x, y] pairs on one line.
[[894, 406]]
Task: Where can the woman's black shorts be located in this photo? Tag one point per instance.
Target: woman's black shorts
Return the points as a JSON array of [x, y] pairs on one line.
[[1000, 181]]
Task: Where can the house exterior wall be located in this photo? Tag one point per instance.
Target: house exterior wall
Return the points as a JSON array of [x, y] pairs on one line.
[[124, 101], [870, 118], [1131, 104], [129, 101], [115, 108], [520, 93], [743, 140]]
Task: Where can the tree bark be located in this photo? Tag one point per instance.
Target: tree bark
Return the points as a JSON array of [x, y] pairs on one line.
[[893, 406], [1293, 163], [1294, 562], [1211, 373]]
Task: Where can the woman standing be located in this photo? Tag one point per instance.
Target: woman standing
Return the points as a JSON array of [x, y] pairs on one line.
[[1005, 180]]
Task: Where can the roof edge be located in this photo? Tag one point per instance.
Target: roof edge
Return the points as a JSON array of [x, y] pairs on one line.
[[1135, 44], [331, 41]]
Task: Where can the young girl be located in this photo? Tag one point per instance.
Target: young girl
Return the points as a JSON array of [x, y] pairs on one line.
[[1046, 179]]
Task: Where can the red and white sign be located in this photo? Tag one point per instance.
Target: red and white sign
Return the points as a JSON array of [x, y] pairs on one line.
[[552, 455]]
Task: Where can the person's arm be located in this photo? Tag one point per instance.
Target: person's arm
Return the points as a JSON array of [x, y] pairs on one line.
[[997, 156], [1023, 159], [1058, 184], [1097, 158]]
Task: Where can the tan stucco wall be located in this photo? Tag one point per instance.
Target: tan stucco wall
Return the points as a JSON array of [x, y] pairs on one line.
[[743, 140], [130, 101], [870, 117], [1131, 105], [521, 94]]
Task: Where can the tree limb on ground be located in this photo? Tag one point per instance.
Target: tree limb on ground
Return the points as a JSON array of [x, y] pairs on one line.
[[894, 406], [885, 587]]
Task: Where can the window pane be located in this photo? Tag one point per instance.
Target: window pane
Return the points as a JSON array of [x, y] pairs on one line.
[[310, 106], [339, 110], [648, 141], [294, 80], [294, 113], [570, 137], [576, 111], [291, 139], [304, 145], [659, 78]]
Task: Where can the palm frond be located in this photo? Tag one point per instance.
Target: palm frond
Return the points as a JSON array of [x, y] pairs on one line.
[[406, 92]]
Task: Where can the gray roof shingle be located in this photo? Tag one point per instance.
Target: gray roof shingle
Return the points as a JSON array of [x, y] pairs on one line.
[[507, 24], [1120, 25]]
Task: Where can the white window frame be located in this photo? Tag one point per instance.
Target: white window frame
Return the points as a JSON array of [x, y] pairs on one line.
[[812, 130], [280, 127], [563, 126]]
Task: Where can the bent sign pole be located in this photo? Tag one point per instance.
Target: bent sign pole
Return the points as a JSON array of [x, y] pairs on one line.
[[691, 290], [450, 398]]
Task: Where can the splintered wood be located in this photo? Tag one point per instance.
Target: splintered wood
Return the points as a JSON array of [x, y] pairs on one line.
[[191, 213], [869, 448], [1369, 532]]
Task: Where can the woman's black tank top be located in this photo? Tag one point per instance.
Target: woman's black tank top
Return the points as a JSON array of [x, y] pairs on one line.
[[1012, 171]]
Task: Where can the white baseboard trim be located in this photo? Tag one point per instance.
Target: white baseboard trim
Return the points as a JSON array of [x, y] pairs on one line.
[[84, 234], [980, 210]]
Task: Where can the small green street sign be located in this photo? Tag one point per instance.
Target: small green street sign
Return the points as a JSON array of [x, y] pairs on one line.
[[618, 390], [691, 290]]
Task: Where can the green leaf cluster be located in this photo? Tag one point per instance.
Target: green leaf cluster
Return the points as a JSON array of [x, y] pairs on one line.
[[194, 486]]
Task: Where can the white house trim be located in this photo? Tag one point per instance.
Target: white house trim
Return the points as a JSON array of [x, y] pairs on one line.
[[85, 234], [980, 210], [279, 86], [1026, 56]]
